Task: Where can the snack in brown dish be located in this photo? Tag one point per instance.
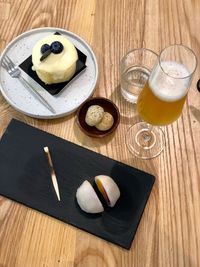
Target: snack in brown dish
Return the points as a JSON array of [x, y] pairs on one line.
[[94, 115], [106, 123]]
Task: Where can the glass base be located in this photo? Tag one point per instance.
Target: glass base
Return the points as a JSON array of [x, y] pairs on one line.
[[145, 141]]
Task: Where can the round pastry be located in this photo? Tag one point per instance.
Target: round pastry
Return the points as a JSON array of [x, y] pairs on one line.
[[54, 59], [108, 189], [94, 115], [106, 123], [88, 199]]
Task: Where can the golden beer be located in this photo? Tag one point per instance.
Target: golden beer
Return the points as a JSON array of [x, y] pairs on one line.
[[159, 105], [157, 111]]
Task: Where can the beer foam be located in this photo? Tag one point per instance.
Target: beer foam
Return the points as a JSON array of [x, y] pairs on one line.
[[169, 85]]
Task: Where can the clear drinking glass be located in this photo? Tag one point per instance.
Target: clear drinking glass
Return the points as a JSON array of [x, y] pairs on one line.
[[135, 68], [161, 100]]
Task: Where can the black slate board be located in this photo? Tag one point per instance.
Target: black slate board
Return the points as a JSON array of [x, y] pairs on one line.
[[56, 88], [25, 178]]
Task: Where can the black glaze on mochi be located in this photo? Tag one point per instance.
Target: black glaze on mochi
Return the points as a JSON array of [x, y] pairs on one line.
[[25, 178]]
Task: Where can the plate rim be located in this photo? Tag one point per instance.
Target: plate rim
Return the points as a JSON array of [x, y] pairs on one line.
[[46, 29]]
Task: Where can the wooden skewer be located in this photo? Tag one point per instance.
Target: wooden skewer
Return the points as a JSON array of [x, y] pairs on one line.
[[53, 175]]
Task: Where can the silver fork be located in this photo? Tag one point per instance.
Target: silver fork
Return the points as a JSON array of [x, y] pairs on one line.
[[15, 72]]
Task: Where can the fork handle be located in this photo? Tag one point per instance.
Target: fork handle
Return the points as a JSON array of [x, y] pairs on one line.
[[37, 94]]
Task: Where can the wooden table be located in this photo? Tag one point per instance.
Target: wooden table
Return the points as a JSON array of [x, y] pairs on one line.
[[169, 232]]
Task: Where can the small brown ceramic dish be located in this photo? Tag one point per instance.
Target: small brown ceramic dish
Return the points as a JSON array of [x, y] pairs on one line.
[[108, 106]]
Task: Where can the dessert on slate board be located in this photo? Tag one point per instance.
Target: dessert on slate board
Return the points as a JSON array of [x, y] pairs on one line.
[[108, 189], [54, 59], [88, 199]]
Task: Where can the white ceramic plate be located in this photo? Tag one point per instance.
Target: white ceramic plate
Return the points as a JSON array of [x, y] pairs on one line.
[[70, 98]]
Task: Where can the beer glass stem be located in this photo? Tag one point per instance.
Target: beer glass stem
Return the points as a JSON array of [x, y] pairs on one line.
[[148, 134], [145, 138]]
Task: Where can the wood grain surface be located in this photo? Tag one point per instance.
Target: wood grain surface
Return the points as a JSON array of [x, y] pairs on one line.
[[169, 232]]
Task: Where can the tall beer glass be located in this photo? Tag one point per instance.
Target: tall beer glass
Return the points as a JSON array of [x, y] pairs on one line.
[[161, 100]]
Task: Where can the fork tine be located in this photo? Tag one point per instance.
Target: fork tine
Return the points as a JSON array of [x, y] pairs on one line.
[[9, 61], [4, 64]]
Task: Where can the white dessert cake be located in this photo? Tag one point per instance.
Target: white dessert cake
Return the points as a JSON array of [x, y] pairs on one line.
[[54, 59]]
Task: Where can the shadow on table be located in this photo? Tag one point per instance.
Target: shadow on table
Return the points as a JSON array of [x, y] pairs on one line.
[[195, 112], [127, 110], [91, 141]]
